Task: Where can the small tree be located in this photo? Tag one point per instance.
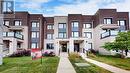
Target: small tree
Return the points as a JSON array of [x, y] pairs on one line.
[[122, 42]]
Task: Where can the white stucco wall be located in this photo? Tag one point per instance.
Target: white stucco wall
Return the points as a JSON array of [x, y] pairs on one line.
[[1, 41], [98, 42]]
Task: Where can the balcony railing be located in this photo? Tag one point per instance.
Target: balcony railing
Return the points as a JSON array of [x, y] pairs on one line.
[[12, 34], [109, 33]]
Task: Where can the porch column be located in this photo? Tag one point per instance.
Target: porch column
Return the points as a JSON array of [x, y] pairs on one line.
[[71, 45], [57, 48], [13, 46], [85, 46]]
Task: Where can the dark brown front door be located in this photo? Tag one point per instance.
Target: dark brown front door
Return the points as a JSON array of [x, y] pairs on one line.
[[64, 47], [76, 47]]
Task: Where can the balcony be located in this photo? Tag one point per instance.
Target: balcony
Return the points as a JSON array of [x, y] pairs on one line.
[[12, 34], [109, 26], [109, 33]]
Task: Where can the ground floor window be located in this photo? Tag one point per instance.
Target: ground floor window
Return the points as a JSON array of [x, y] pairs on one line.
[[49, 46], [89, 46], [34, 45]]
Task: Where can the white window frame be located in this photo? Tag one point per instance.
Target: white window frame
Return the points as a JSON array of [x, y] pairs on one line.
[[49, 36], [50, 26], [75, 24], [88, 35], [6, 22], [75, 34], [87, 25], [17, 22], [107, 20], [34, 45], [35, 24]]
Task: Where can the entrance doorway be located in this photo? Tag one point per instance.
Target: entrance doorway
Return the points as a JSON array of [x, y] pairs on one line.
[[76, 47], [64, 47]]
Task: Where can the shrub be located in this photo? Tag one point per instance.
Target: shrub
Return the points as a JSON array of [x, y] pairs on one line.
[[74, 56], [21, 53], [94, 51], [118, 55], [92, 55], [51, 54]]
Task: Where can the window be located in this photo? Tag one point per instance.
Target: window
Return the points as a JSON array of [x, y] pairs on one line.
[[107, 20], [62, 35], [35, 24], [34, 45], [62, 25], [35, 34], [88, 25], [121, 22], [18, 23], [88, 34], [50, 26], [6, 23], [75, 24], [75, 34], [49, 36], [49, 46], [89, 45]]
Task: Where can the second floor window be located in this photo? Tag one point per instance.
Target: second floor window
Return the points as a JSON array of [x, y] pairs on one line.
[[75, 34], [35, 24], [6, 22], [107, 20], [34, 45], [62, 34], [50, 26], [18, 23], [121, 22], [49, 36], [87, 26], [88, 34], [35, 34]]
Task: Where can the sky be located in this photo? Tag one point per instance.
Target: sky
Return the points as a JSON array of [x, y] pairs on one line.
[[65, 7]]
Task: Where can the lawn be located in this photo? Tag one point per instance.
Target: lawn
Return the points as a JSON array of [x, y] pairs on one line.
[[86, 69], [26, 65], [112, 60]]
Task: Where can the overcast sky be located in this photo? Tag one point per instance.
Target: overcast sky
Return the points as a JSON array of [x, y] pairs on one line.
[[65, 7]]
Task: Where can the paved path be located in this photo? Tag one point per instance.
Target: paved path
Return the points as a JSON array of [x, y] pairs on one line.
[[64, 65], [106, 66]]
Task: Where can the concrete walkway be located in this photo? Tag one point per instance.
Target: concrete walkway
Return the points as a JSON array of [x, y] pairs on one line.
[[105, 66], [64, 65]]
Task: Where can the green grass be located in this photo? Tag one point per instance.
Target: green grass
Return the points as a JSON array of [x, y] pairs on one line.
[[27, 65], [90, 69], [118, 62]]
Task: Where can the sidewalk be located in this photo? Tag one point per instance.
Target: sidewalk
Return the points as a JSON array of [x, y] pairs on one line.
[[106, 66], [64, 65]]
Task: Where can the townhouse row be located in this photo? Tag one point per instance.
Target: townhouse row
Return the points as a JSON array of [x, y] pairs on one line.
[[72, 33]]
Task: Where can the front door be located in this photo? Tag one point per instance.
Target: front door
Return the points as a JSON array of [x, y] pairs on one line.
[[76, 47], [64, 47]]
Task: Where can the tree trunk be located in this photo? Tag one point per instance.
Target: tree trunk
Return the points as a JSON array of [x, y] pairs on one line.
[[122, 56]]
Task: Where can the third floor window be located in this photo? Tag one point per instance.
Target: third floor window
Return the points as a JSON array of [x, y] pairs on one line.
[[50, 26], [62, 25], [107, 20], [6, 22], [35, 24], [87, 25], [49, 36], [17, 23], [75, 24]]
